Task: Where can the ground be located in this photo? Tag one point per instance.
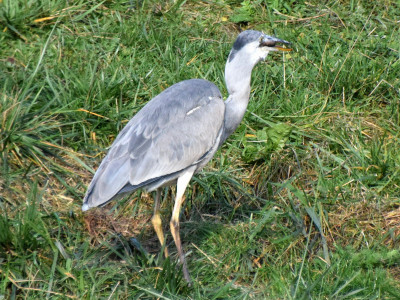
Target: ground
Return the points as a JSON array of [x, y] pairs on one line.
[[302, 201]]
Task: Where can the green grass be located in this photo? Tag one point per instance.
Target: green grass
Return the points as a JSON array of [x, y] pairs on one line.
[[302, 202]]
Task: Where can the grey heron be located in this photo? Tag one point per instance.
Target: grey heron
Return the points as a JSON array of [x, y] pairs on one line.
[[177, 133]]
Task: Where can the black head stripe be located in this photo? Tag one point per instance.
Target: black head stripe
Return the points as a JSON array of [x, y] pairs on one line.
[[246, 37], [243, 39]]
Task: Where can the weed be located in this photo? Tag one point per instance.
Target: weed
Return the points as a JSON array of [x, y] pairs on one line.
[[301, 202]]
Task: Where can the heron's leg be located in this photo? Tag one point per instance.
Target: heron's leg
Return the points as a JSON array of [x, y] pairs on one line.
[[181, 185], [156, 221]]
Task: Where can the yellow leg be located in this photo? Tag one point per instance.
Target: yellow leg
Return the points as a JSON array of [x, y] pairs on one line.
[[156, 221], [181, 185]]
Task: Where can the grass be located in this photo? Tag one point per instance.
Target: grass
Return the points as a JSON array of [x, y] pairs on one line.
[[301, 202]]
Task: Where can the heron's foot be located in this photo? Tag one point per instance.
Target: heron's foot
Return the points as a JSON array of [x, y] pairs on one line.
[[156, 221], [135, 243], [186, 274], [166, 251]]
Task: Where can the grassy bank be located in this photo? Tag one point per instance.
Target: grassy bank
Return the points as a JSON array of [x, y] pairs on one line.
[[301, 202]]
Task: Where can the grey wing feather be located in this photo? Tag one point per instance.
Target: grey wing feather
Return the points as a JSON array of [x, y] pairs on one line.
[[171, 132]]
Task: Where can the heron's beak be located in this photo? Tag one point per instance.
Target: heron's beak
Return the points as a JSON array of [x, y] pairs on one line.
[[275, 44], [279, 48]]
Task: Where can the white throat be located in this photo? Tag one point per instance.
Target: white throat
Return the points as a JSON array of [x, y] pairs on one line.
[[237, 77]]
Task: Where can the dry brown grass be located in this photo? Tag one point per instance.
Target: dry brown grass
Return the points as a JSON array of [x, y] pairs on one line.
[[357, 223]]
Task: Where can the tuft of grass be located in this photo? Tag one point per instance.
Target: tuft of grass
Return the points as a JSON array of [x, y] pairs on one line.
[[301, 202]]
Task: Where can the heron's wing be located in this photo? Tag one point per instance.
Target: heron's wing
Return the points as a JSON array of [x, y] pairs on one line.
[[172, 132]]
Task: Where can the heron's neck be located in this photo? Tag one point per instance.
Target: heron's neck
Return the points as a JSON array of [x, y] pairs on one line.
[[237, 79]]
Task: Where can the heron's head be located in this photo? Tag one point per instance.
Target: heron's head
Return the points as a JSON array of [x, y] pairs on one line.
[[253, 46]]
